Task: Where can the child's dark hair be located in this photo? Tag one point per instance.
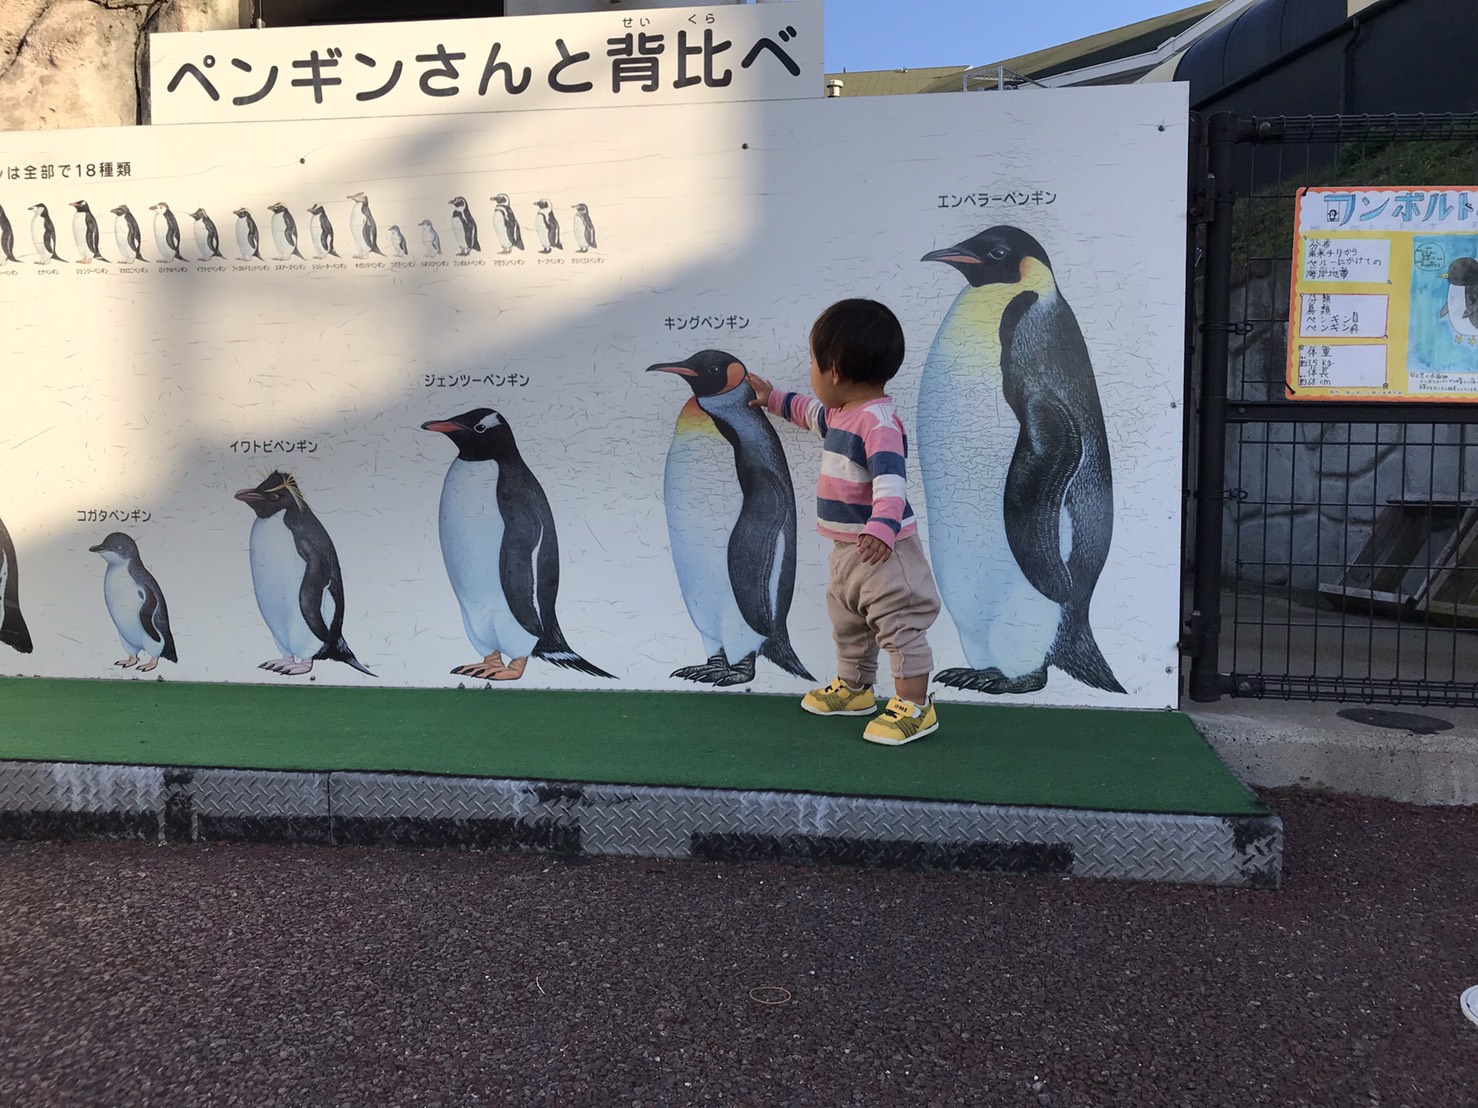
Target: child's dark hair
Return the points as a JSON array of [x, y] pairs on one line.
[[861, 339]]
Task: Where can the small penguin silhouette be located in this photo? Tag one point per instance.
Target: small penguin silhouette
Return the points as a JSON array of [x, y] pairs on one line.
[[135, 603]]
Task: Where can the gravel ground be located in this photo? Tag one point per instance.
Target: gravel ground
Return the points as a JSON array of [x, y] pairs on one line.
[[265, 976]]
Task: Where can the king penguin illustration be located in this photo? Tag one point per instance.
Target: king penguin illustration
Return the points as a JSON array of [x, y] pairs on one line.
[[505, 225], [464, 227], [501, 551], [320, 232], [548, 228], [731, 519], [430, 240], [7, 238], [362, 226], [166, 233], [1461, 308], [1016, 561], [584, 230], [85, 234], [43, 235], [295, 573], [248, 239], [136, 603], [13, 630], [284, 232], [127, 235], [207, 238]]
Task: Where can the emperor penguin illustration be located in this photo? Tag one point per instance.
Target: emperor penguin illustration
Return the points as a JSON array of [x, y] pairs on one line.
[[731, 520], [1016, 560], [7, 238], [127, 235], [166, 233], [430, 240], [501, 552], [362, 227], [584, 230], [248, 240], [43, 235], [136, 603], [505, 225], [207, 239], [284, 232], [295, 573], [85, 234], [13, 630], [320, 232], [397, 241], [548, 228], [1461, 309], [464, 228]]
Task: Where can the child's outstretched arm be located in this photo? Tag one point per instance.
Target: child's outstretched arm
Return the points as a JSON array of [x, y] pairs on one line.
[[803, 411]]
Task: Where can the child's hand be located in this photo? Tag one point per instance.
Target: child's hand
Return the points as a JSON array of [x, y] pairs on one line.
[[762, 391], [872, 550]]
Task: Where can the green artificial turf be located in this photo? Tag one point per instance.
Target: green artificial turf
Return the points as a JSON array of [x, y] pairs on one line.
[[1053, 757]]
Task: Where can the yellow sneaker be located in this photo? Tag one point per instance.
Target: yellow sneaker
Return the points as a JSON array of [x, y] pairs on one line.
[[840, 699], [902, 721]]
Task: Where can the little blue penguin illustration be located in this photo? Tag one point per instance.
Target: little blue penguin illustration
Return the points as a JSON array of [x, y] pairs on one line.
[[127, 235], [43, 235], [548, 227], [166, 233], [501, 552], [13, 630], [207, 239], [248, 239], [397, 241], [464, 228], [136, 604], [731, 520], [284, 232], [7, 238], [1461, 309], [584, 230], [1017, 559], [320, 232], [505, 225], [296, 576], [362, 226], [85, 234], [430, 240]]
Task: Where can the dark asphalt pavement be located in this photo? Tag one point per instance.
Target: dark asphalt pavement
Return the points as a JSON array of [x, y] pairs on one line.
[[265, 976]]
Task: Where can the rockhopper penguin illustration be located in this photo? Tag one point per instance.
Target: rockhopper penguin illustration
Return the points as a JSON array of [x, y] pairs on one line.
[[135, 603]]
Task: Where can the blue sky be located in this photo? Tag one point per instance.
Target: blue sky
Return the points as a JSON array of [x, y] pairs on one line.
[[893, 34]]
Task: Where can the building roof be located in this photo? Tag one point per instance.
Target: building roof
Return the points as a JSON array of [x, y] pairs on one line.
[[897, 82]]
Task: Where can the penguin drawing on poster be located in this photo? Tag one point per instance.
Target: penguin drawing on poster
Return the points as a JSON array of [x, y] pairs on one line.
[[43, 235], [430, 240], [501, 551], [248, 240], [7, 238], [284, 232], [127, 235], [584, 230], [548, 228], [320, 232], [731, 519], [13, 630], [166, 233], [207, 239], [1461, 309], [85, 234], [136, 604], [397, 241], [1017, 550], [464, 228], [362, 227], [296, 576], [505, 225]]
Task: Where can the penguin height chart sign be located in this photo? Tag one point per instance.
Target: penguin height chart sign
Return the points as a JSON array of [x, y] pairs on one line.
[[1385, 295], [425, 402]]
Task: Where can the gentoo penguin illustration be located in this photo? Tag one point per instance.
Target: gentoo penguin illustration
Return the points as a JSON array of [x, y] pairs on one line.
[[397, 241], [127, 235], [362, 226], [731, 519], [501, 552], [548, 228], [136, 603], [85, 233], [13, 631], [7, 238], [295, 572], [1461, 309], [284, 232], [320, 232], [430, 240], [166, 233], [207, 239], [464, 228], [584, 230], [43, 235], [1016, 558], [505, 225], [248, 240]]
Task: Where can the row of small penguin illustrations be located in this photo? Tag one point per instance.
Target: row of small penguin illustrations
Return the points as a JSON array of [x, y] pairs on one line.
[[363, 228]]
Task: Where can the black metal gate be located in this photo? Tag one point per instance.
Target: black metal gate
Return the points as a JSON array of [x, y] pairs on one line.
[[1333, 546]]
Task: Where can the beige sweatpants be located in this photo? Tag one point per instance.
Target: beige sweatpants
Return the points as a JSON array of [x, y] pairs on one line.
[[890, 606]]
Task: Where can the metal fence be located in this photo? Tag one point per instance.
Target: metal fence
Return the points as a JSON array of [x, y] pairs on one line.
[[1333, 546]]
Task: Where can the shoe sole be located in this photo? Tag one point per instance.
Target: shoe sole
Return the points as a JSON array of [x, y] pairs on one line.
[[853, 712], [881, 741]]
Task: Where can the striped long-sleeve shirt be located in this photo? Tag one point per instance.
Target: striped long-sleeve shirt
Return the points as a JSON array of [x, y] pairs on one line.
[[863, 488]]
